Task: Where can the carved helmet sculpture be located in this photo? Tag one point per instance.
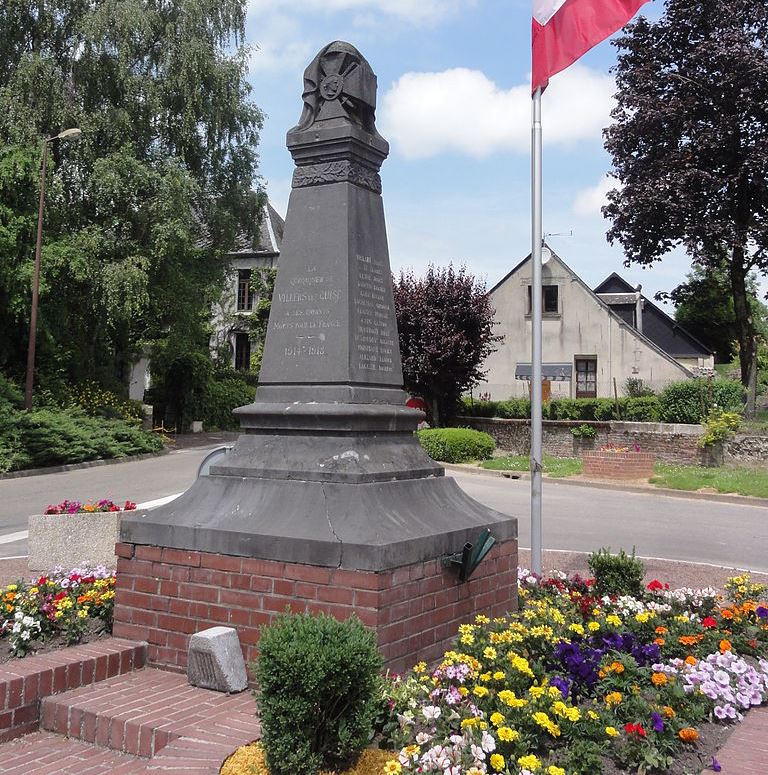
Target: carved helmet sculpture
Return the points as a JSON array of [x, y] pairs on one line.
[[339, 84]]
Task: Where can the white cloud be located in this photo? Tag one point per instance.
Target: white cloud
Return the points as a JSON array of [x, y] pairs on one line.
[[589, 201], [278, 44], [462, 110], [415, 11]]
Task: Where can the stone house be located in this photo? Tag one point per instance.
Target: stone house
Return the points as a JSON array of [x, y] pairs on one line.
[[591, 339], [239, 295]]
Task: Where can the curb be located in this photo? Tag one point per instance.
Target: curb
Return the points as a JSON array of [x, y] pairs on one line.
[[738, 500], [76, 466]]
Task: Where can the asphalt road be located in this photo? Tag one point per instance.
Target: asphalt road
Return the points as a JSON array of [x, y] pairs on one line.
[[574, 518]]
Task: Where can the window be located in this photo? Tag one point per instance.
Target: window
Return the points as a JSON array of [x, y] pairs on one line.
[[549, 300], [586, 377], [242, 352], [245, 292]]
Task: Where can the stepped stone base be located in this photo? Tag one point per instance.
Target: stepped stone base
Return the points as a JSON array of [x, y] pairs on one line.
[[166, 594]]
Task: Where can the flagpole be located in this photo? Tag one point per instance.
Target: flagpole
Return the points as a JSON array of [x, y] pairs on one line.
[[536, 239]]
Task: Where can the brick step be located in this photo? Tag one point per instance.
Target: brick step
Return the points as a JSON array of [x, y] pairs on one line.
[[140, 713], [44, 753]]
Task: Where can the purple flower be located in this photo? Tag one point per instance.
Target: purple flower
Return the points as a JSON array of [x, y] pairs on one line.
[[762, 612], [715, 765], [657, 722], [562, 684]]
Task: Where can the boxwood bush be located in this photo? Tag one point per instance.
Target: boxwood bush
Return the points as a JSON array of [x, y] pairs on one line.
[[317, 699], [456, 445]]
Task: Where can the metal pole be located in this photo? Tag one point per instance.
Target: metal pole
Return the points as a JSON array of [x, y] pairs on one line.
[[35, 285], [536, 240]]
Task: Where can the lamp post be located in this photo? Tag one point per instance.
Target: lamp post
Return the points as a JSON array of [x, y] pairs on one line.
[[67, 134]]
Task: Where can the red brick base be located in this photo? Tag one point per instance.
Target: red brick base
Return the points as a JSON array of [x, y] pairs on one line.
[[618, 465], [164, 595]]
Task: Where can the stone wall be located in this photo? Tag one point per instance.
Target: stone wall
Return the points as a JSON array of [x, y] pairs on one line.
[[165, 595], [672, 443]]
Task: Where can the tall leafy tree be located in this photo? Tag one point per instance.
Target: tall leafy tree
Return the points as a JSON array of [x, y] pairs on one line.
[[704, 306], [445, 322], [689, 145], [140, 209]]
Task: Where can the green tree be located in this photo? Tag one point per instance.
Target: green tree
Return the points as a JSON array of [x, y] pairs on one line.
[[445, 322], [690, 148], [704, 306], [141, 209]]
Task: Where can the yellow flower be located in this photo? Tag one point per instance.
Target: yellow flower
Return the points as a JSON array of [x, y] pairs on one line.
[[552, 770], [468, 722], [489, 652], [480, 691], [613, 698], [420, 667], [463, 691], [577, 628], [508, 735], [482, 619], [594, 716], [485, 676], [392, 767], [593, 626], [499, 675], [497, 719], [410, 751], [467, 640], [613, 619], [529, 762], [12, 587], [611, 731], [497, 761]]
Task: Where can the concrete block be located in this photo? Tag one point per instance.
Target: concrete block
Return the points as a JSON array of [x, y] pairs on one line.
[[72, 540], [215, 660]]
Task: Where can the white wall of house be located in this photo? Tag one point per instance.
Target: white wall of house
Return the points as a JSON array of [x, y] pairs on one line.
[[581, 327]]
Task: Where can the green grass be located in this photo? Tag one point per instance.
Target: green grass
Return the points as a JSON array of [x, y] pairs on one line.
[[743, 481], [554, 466]]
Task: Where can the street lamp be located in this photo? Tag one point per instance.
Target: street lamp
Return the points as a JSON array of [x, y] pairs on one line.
[[67, 134]]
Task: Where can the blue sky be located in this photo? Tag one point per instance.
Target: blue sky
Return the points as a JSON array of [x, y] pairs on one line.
[[454, 104]]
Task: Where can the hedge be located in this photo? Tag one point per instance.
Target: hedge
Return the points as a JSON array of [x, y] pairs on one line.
[[689, 401]]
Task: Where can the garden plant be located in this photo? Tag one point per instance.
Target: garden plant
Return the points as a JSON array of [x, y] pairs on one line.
[[579, 682]]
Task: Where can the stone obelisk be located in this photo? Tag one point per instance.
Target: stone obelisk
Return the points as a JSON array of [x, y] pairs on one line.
[[327, 472]]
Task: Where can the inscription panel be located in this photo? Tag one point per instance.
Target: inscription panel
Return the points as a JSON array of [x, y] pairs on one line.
[[374, 343]]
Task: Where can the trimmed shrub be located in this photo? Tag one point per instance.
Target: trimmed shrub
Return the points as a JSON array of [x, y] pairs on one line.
[[584, 432], [605, 409], [641, 409], [219, 399], [514, 409], [456, 445], [317, 697], [690, 401], [469, 407], [616, 574]]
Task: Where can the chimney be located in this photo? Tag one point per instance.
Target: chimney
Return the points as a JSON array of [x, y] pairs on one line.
[[639, 308]]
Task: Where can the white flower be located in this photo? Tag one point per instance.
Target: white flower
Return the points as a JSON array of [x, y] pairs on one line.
[[423, 738], [25, 635], [27, 621], [477, 753], [487, 743], [431, 712]]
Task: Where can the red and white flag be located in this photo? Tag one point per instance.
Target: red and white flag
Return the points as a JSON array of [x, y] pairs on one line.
[[564, 30]]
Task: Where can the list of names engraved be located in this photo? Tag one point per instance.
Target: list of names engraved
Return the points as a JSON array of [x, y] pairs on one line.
[[375, 336], [310, 308]]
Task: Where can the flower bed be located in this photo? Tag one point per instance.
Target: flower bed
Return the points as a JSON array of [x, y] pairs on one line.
[[578, 683], [59, 606], [610, 462], [73, 533]]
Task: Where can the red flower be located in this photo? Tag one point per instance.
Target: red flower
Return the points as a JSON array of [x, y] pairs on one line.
[[655, 585], [709, 622], [635, 729]]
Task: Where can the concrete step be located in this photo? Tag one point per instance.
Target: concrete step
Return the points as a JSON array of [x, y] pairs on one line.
[[140, 713]]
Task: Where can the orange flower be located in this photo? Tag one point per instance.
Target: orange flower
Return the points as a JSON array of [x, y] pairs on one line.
[[617, 667], [726, 613], [659, 641], [661, 630], [668, 711], [689, 640], [690, 660], [725, 645], [688, 735], [659, 679]]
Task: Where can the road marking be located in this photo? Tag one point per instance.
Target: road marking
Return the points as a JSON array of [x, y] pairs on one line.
[[11, 538], [21, 535]]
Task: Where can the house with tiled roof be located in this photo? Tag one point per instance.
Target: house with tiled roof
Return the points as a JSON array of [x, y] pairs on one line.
[[593, 340]]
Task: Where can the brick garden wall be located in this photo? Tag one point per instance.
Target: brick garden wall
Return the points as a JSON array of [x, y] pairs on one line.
[[164, 595], [618, 465]]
